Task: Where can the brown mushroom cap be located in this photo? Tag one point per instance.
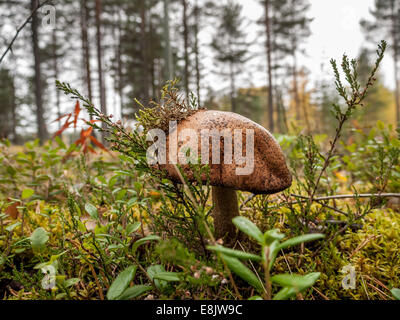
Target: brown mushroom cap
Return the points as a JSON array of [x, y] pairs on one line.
[[270, 174]]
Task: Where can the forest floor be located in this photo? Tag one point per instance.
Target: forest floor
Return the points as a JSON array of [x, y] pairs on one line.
[[76, 225]]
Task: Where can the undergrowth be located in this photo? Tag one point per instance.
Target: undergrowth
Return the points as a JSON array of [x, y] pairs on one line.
[[76, 225]]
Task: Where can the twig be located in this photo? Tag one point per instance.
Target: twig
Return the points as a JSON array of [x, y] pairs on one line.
[[365, 288], [9, 48], [335, 197], [363, 244], [320, 293], [251, 197], [348, 196], [97, 282]]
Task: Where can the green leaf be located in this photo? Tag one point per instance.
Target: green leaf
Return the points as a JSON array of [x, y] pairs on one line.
[[255, 298], [272, 235], [132, 228], [295, 281], [27, 193], [242, 271], [92, 210], [60, 143], [38, 238], [249, 228], [144, 240], [396, 293], [168, 276], [12, 226], [235, 253], [380, 125], [134, 291], [300, 239], [152, 271], [120, 284], [71, 282], [284, 294]]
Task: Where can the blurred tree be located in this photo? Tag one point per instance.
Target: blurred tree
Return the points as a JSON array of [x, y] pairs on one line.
[[387, 21], [379, 100], [84, 24], [99, 38], [186, 45], [230, 46], [8, 122], [267, 21], [41, 124], [286, 26], [196, 49]]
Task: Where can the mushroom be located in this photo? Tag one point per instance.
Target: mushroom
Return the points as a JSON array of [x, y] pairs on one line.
[[248, 159]]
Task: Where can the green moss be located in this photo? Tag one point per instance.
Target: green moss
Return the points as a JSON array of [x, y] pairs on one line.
[[374, 251]]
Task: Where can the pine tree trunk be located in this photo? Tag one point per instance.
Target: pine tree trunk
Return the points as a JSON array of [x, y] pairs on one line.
[[102, 90], [152, 65], [14, 113], [295, 87], [269, 66], [144, 51], [305, 111], [395, 61], [119, 67], [86, 47], [186, 45], [233, 87], [56, 74], [196, 51], [42, 129], [169, 72]]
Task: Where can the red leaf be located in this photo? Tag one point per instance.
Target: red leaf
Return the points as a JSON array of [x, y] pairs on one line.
[[76, 113], [86, 133], [91, 149], [65, 115], [98, 143], [64, 127], [12, 209]]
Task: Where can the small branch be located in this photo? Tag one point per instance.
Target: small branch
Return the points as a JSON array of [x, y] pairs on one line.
[[9, 48], [336, 197], [97, 282], [348, 196], [251, 197]]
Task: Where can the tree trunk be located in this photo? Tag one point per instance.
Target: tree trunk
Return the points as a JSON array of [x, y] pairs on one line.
[[269, 66], [168, 53], [304, 106], [86, 47], [119, 66], [14, 112], [295, 87], [152, 64], [42, 129], [144, 51], [233, 87], [196, 51], [186, 45], [102, 90], [225, 209], [56, 74], [395, 60]]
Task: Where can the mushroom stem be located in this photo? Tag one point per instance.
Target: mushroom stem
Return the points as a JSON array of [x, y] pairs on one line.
[[225, 209]]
